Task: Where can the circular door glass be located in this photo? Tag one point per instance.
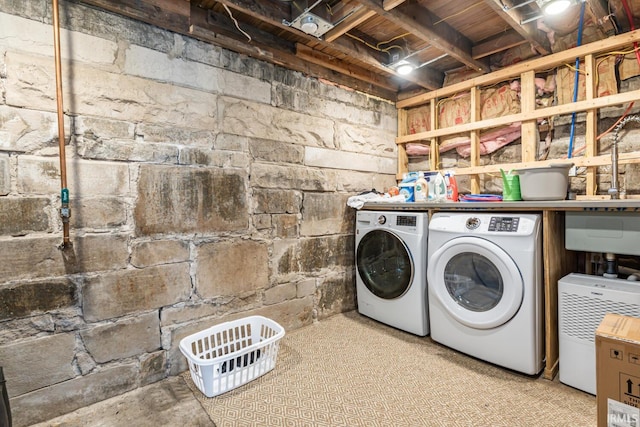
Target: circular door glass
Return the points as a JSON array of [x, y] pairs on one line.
[[473, 281], [384, 264]]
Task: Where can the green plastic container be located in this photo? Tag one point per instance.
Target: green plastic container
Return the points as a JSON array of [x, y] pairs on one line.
[[510, 186]]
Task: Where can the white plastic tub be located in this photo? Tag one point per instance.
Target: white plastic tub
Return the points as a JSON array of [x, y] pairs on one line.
[[545, 183], [231, 354]]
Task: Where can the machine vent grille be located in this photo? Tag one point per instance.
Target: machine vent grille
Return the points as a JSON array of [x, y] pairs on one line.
[[582, 314], [406, 221]]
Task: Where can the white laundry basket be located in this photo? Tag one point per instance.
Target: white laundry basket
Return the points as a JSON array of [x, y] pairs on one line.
[[231, 354]]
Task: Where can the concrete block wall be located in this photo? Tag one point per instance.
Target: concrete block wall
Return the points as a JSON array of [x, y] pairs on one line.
[[204, 185]]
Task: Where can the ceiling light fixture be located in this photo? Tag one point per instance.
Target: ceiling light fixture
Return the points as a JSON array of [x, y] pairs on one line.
[[400, 64], [309, 24], [554, 7], [404, 67]]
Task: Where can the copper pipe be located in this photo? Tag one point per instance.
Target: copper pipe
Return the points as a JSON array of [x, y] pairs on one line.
[[64, 210]]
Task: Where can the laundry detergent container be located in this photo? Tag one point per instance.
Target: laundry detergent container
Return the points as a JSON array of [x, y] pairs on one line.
[[545, 183]]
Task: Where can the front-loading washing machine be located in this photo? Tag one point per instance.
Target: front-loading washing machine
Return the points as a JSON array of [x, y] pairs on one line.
[[391, 256], [485, 291]]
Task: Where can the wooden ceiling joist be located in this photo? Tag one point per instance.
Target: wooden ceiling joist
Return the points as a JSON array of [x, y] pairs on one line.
[[429, 80], [528, 31], [611, 43], [308, 54], [390, 4], [356, 18], [167, 14], [210, 27], [497, 44], [420, 22], [463, 38]]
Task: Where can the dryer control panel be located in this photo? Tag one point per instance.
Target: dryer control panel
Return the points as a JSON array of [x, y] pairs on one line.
[[504, 223]]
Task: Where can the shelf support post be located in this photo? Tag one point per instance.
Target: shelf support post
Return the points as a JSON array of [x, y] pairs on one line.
[[591, 122], [475, 112]]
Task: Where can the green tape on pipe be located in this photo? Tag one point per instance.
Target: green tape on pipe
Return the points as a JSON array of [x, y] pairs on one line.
[[64, 195]]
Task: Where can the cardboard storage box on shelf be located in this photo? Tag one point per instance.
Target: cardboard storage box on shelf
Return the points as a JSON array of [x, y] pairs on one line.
[[618, 371]]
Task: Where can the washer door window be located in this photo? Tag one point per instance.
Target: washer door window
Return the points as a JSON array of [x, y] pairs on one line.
[[384, 264], [478, 283]]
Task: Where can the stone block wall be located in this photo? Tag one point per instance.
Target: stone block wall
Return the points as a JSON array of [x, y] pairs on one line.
[[205, 186]]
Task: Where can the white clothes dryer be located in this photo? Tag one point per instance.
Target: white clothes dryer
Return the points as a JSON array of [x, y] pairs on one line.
[[485, 287], [391, 256]]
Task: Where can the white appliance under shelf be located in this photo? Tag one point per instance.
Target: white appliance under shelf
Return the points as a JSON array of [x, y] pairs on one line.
[[583, 301]]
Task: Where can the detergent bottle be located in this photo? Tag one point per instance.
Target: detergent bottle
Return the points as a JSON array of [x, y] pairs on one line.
[[407, 186], [451, 185], [421, 191], [437, 188]]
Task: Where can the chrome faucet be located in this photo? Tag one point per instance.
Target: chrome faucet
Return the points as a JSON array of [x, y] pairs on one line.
[[614, 193]]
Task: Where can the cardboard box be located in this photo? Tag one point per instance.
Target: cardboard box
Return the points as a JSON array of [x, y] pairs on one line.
[[618, 371]]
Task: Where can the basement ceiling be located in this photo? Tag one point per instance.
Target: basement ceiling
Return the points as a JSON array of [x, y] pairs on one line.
[[358, 43]]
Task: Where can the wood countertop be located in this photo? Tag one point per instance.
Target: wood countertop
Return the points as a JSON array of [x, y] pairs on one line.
[[620, 205]]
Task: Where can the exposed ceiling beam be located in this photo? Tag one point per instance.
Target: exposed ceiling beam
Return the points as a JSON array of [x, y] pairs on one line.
[[220, 25], [167, 14], [217, 29], [430, 79], [505, 41], [528, 31], [308, 54], [185, 18], [356, 18], [390, 4], [420, 22]]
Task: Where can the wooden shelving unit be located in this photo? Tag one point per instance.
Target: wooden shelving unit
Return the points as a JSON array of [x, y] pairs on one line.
[[556, 260], [528, 115]]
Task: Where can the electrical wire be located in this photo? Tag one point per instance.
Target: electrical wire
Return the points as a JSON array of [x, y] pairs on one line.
[[393, 39], [236, 22], [329, 9], [601, 59], [626, 112], [458, 13], [611, 17], [386, 49], [617, 121], [573, 68], [636, 50], [631, 24], [380, 49]]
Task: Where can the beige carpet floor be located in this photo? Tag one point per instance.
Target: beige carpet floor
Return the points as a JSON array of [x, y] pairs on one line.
[[349, 370]]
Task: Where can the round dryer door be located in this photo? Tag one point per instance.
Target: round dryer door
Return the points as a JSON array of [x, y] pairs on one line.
[[477, 282], [384, 264]]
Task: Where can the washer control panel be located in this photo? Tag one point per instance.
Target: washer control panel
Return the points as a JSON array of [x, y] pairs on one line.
[[504, 223]]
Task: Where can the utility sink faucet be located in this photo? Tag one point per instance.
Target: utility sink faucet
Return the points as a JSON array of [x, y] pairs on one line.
[[614, 192]]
